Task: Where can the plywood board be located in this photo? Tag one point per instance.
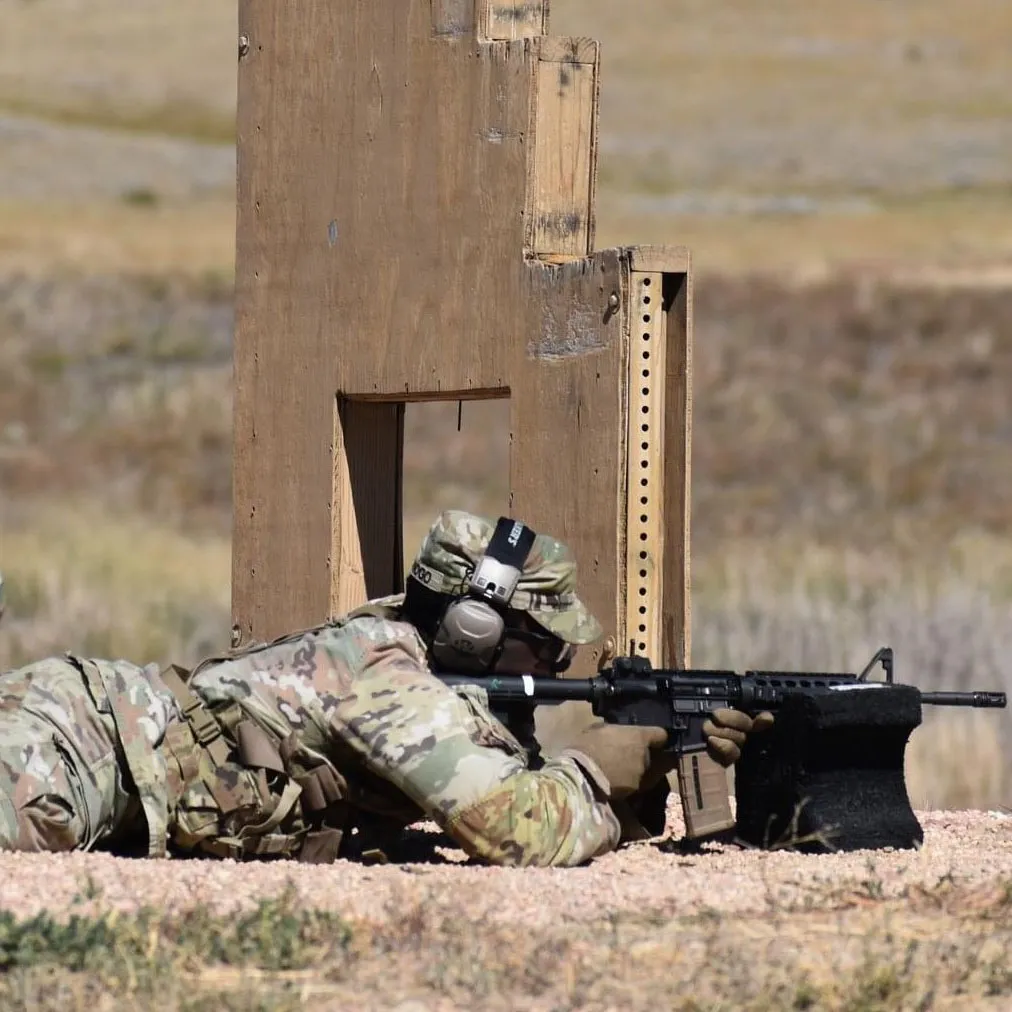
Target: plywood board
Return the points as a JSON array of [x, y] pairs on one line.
[[668, 259], [392, 166], [565, 160], [567, 450]]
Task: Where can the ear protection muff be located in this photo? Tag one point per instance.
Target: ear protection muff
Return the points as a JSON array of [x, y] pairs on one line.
[[470, 634]]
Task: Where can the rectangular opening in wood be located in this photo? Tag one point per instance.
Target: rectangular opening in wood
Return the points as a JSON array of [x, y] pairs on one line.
[[456, 456]]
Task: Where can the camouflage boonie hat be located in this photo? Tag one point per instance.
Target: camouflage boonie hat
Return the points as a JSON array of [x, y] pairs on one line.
[[547, 587]]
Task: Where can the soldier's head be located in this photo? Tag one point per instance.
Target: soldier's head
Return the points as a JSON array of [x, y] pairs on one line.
[[496, 597]]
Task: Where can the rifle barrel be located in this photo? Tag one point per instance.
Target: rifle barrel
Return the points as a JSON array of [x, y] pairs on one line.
[[994, 700], [512, 688]]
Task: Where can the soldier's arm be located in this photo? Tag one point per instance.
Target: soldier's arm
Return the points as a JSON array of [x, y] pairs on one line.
[[419, 735]]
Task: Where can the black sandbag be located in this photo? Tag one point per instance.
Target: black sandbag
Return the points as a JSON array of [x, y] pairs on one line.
[[829, 774]]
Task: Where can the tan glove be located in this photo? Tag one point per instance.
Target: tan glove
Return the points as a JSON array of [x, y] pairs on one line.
[[629, 757], [726, 730]]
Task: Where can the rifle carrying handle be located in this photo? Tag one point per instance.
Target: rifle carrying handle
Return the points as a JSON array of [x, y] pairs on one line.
[[705, 794]]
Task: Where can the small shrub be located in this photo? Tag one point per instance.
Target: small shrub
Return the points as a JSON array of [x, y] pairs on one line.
[[140, 197]]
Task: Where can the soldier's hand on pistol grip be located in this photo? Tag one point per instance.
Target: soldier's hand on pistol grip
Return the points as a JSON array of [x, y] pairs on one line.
[[629, 757], [726, 731]]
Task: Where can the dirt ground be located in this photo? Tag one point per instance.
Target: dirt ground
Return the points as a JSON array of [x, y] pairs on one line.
[[654, 923], [667, 878]]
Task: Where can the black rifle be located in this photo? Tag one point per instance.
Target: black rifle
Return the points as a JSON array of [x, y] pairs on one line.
[[633, 692]]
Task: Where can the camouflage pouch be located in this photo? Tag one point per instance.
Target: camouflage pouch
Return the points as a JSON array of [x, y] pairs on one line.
[[260, 797], [229, 787]]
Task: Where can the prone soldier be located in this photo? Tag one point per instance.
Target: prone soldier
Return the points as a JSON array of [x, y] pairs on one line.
[[328, 742]]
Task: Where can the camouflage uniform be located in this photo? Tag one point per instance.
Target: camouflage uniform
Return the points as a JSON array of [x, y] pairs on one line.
[[82, 756], [324, 735]]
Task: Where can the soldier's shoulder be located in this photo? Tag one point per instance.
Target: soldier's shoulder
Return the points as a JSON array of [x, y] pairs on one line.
[[381, 617], [356, 638], [379, 628]]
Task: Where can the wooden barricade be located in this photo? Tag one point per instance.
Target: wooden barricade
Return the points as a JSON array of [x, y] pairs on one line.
[[416, 193]]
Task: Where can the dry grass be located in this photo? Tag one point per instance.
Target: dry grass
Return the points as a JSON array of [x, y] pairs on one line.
[[671, 68], [751, 95], [932, 239], [78, 578], [940, 948], [166, 68], [189, 118], [852, 412], [118, 238]]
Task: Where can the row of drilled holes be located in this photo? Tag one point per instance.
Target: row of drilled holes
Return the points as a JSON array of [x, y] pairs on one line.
[[644, 496]]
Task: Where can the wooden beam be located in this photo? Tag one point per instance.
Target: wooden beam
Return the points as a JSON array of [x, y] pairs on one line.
[[677, 615], [669, 259], [564, 169], [643, 583]]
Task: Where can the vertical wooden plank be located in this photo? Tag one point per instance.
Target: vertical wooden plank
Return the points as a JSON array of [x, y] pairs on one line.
[[564, 169], [513, 19], [677, 620], [672, 265], [567, 475], [247, 491], [646, 514], [366, 554]]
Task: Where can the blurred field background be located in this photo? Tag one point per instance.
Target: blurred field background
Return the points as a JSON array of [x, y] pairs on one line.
[[843, 174]]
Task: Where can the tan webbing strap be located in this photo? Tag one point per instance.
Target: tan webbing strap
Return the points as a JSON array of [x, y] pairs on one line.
[[224, 847], [285, 804], [207, 734], [285, 845], [206, 729]]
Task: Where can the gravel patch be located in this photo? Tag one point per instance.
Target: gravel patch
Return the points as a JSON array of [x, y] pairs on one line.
[[968, 850]]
